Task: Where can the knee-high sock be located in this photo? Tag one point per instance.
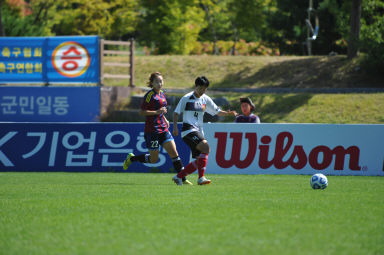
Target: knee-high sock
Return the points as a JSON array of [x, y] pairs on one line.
[[143, 158], [202, 163], [190, 168], [178, 165]]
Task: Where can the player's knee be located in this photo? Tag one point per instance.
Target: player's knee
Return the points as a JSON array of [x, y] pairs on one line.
[[208, 150], [205, 147]]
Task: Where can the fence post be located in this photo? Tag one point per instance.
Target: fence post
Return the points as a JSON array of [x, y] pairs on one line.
[[131, 62], [101, 58]]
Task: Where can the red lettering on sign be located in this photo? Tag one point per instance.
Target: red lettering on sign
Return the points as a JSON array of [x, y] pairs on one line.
[[72, 49], [236, 148], [71, 65], [298, 158]]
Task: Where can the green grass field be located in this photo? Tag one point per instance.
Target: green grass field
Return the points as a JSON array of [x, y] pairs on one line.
[[117, 213]]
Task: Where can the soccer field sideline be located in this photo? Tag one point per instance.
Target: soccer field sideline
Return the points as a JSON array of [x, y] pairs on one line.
[[117, 213]]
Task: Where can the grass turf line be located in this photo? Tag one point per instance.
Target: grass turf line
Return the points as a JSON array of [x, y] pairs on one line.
[[112, 213]]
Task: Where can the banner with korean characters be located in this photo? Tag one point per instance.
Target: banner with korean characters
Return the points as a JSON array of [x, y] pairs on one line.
[[331, 149], [61, 59], [78, 147], [49, 104]]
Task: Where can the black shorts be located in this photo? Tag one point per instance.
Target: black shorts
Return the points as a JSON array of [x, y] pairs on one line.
[[154, 140], [192, 140]]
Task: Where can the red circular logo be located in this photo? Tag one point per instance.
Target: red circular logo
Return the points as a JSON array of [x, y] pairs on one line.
[[71, 59]]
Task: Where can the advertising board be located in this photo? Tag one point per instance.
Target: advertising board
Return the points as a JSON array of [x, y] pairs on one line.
[[59, 59], [235, 148], [296, 149], [77, 147], [49, 104]]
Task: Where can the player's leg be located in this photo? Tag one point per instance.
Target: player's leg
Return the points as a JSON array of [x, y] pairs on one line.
[[192, 140], [200, 149], [152, 141], [169, 145], [153, 145], [202, 159]]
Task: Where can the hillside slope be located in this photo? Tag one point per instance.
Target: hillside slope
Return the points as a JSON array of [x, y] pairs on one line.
[[258, 71], [269, 72]]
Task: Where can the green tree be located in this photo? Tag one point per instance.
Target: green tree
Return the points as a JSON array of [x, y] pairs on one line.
[[219, 24], [125, 15], [82, 17], [172, 26], [33, 18], [286, 25], [234, 19], [1, 19], [372, 34]]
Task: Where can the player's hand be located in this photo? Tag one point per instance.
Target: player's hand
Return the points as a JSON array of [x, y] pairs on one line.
[[162, 110], [234, 113]]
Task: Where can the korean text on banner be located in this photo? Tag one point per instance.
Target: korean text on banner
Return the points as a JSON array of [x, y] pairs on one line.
[[62, 59], [78, 147], [49, 104]]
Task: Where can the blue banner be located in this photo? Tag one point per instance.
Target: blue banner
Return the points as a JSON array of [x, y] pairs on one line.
[[78, 147], [49, 104], [62, 59]]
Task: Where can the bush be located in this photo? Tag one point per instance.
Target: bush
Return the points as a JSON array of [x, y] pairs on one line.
[[372, 36]]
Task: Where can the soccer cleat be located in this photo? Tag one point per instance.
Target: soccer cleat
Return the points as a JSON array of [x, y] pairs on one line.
[[186, 182], [177, 180], [203, 181], [127, 161]]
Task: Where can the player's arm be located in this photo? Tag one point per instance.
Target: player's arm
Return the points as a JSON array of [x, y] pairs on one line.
[[146, 105], [176, 113], [175, 130], [151, 112], [213, 109], [166, 121], [227, 113]]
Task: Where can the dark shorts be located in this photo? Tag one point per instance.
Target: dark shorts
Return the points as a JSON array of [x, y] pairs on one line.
[[154, 140], [192, 140]]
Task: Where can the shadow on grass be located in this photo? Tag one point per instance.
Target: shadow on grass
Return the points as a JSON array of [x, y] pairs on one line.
[[283, 105], [307, 72], [273, 107]]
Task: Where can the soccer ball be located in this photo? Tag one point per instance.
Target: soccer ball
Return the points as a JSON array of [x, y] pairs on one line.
[[319, 181]]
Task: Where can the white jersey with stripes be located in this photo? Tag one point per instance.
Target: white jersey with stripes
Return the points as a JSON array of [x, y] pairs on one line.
[[193, 109]]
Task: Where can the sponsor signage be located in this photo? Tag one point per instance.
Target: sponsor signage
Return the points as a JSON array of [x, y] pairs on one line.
[[77, 147], [61, 59], [235, 148], [296, 149], [49, 104]]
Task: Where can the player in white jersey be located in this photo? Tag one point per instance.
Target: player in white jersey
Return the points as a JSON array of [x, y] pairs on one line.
[[193, 105]]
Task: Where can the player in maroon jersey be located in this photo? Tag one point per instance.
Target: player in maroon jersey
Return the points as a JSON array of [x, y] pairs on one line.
[[247, 107], [156, 133]]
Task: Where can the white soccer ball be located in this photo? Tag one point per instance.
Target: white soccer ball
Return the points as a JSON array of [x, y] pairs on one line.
[[319, 181]]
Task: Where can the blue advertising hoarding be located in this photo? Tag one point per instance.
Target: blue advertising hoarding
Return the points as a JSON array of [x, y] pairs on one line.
[[62, 59], [78, 147], [49, 104]]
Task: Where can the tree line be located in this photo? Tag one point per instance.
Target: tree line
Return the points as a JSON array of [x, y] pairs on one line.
[[176, 26]]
